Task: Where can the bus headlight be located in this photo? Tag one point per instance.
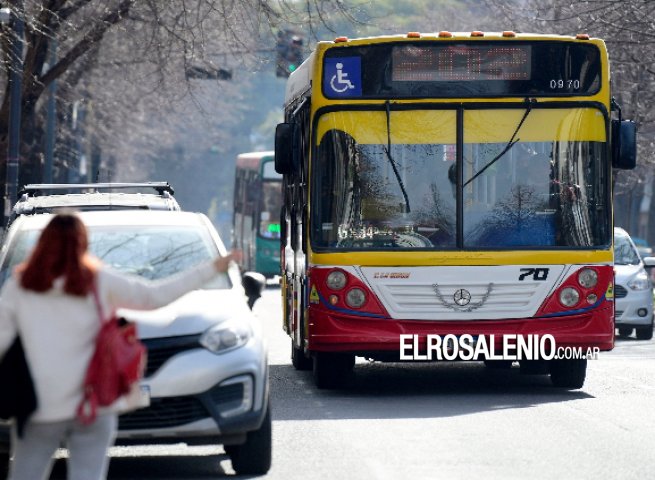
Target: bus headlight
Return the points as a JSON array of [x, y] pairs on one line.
[[225, 336], [569, 297], [639, 282], [355, 298], [587, 278], [336, 280]]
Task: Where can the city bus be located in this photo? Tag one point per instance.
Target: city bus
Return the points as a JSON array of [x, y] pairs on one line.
[[449, 184], [256, 220]]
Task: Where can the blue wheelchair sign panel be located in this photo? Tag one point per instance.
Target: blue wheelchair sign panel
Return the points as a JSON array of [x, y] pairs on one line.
[[342, 77]]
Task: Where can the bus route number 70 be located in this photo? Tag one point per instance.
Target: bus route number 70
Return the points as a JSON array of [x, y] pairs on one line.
[[539, 274]]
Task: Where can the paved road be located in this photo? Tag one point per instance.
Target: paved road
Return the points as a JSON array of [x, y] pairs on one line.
[[434, 421]]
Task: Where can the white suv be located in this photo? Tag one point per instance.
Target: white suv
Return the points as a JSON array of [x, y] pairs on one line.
[[633, 290], [207, 370]]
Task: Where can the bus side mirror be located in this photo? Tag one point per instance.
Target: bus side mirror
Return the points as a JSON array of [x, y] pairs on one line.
[[624, 144], [287, 142]]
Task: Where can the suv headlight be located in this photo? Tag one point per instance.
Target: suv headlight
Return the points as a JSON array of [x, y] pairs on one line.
[[226, 336], [639, 282]]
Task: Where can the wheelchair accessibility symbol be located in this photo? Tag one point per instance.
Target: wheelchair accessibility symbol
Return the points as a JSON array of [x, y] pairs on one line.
[[340, 82], [342, 77]]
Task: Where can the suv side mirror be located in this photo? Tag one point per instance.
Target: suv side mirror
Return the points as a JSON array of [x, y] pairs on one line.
[[287, 142], [253, 284], [649, 262], [624, 144]]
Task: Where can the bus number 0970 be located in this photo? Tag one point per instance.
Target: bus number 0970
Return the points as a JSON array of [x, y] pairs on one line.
[[568, 84]]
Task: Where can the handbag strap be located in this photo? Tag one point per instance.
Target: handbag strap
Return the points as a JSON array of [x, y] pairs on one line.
[[96, 299]]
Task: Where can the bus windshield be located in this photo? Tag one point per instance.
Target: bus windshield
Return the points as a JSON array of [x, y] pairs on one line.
[[547, 191]]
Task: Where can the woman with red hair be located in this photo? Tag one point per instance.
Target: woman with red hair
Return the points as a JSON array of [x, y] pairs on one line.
[[49, 302]]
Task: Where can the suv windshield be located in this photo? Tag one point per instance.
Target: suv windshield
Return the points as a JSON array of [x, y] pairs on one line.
[[150, 252], [624, 252], [548, 190]]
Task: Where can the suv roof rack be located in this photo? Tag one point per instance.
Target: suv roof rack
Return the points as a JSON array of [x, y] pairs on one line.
[[34, 189]]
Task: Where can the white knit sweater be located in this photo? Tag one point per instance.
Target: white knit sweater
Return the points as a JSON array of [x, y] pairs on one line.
[[58, 330]]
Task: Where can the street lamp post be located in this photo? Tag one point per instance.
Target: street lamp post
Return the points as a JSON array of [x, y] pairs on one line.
[[15, 101]]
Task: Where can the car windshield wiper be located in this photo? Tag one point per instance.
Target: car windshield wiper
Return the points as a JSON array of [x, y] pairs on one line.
[[509, 145], [391, 160]]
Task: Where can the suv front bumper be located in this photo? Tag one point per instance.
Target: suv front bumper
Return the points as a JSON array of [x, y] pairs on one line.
[[635, 309], [201, 397]]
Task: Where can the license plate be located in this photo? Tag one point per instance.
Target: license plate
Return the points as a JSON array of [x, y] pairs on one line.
[[144, 397]]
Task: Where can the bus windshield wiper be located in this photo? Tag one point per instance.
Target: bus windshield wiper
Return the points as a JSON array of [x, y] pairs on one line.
[[391, 160], [509, 145]]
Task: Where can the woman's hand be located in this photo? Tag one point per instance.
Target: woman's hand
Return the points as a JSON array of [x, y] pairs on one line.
[[223, 263]]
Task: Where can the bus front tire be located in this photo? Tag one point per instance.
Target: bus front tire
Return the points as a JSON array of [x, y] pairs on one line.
[[298, 358], [568, 374], [331, 370]]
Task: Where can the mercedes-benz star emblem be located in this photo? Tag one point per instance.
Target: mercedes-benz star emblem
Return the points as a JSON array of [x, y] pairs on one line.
[[462, 297]]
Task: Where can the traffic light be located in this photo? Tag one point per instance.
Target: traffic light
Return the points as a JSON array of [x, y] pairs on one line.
[[288, 51], [203, 73]]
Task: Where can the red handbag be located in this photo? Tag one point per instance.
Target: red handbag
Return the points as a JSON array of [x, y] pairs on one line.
[[117, 365]]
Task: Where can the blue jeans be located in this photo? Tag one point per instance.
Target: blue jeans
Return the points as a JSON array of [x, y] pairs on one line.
[[87, 448]]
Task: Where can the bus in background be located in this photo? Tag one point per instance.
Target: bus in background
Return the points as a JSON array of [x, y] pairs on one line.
[[449, 184], [256, 220]]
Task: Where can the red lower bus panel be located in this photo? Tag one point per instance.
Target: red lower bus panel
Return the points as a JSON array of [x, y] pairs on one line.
[[331, 331]]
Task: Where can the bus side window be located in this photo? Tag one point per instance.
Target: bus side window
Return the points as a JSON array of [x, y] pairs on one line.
[[304, 146]]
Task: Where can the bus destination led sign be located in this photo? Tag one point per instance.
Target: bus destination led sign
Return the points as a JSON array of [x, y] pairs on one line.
[[417, 63]]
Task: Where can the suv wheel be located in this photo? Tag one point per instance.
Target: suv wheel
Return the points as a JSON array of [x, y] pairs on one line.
[[254, 456], [569, 374], [331, 370], [644, 333], [625, 331]]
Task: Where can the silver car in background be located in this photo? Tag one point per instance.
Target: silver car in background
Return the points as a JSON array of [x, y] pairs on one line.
[[633, 290], [207, 371]]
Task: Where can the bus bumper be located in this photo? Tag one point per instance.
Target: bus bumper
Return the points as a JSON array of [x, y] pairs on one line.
[[330, 332]]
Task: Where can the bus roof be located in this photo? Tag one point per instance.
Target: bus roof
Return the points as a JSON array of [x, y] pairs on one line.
[[454, 36], [252, 160], [300, 81]]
